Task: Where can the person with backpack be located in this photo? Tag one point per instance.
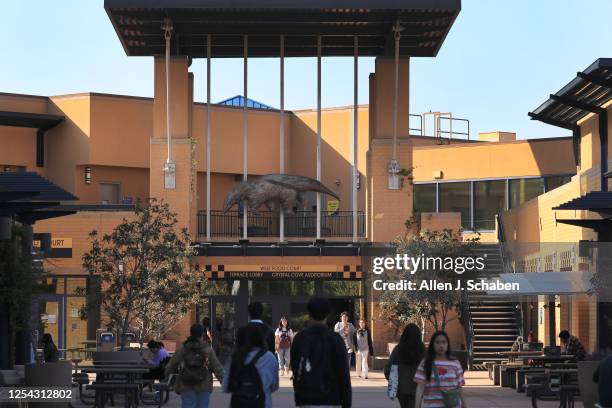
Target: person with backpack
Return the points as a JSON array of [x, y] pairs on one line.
[[439, 377], [363, 348], [403, 363], [195, 361], [251, 373], [318, 362], [346, 330], [284, 336], [256, 313]]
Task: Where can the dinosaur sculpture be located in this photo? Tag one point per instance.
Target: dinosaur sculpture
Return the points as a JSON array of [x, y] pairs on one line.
[[273, 190]]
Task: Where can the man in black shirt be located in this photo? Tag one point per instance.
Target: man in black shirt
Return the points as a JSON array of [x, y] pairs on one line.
[[603, 377], [318, 362], [255, 313]]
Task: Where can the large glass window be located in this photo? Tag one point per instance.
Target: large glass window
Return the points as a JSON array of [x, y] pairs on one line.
[[489, 200], [553, 182], [424, 198], [455, 197], [522, 190]]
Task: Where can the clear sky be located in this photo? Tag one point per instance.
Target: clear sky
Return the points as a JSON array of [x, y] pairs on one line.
[[500, 60]]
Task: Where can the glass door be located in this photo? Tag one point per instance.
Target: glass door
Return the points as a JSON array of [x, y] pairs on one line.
[[50, 319], [224, 326]]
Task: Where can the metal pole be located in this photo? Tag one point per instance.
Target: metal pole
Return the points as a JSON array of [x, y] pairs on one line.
[[282, 130], [245, 133], [208, 132], [355, 132], [396, 90], [319, 134], [167, 36]]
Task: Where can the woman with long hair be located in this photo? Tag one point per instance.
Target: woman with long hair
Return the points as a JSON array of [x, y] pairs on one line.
[[439, 376], [407, 355], [283, 338], [251, 363]]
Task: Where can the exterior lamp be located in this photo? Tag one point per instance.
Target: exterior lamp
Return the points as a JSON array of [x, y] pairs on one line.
[[120, 267], [393, 169], [169, 174], [87, 175]]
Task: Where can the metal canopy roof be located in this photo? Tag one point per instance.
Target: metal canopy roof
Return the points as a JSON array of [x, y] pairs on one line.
[[590, 90], [30, 182], [426, 23], [30, 120], [599, 201]]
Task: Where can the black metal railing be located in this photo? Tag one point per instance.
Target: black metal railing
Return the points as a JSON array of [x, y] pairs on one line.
[[302, 224], [468, 327]]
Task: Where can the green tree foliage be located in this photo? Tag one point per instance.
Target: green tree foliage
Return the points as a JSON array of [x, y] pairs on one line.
[[431, 306], [143, 267]]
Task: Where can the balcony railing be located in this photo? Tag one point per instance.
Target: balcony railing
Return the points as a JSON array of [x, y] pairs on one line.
[[302, 224]]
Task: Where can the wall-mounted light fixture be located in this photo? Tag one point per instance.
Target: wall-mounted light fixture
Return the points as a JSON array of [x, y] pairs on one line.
[[87, 175], [337, 182]]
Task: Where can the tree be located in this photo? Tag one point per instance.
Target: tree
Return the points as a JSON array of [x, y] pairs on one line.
[[143, 267], [427, 306]]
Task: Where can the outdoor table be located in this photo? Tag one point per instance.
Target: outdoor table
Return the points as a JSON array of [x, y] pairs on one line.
[[102, 378], [541, 361], [565, 376], [514, 354]]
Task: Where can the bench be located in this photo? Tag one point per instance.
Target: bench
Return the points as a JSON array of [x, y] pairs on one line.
[[163, 388], [104, 391]]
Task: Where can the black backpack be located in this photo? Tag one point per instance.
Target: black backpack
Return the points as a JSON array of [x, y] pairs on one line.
[[248, 391], [314, 371], [194, 367]]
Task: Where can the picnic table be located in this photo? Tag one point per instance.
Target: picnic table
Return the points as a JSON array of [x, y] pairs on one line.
[[541, 361], [113, 379]]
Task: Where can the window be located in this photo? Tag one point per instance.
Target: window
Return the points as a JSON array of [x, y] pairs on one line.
[[109, 193], [553, 182], [455, 197], [489, 200], [424, 198], [522, 190]]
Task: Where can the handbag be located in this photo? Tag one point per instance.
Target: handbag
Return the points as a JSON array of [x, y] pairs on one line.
[[450, 397], [393, 381]]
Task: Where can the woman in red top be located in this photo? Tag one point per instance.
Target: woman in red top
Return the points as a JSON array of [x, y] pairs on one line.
[[439, 374]]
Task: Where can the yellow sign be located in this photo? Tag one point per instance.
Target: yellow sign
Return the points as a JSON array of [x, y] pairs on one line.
[[56, 243], [283, 268], [332, 206]]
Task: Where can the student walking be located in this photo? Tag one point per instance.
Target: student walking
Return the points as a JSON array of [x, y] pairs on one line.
[[346, 330], [50, 352], [195, 361], [406, 357], [251, 374], [318, 362], [363, 348], [256, 313], [283, 337], [439, 376]]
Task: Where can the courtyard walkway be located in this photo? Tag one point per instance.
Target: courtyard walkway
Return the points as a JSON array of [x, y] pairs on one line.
[[371, 393]]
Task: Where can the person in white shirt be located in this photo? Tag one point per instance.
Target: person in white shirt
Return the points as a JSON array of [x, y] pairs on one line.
[[283, 338]]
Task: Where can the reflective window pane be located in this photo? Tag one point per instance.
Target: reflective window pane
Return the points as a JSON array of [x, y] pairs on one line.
[[522, 190], [455, 197], [489, 200], [553, 182], [424, 198]]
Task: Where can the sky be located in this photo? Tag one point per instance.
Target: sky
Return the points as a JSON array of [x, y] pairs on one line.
[[500, 60]]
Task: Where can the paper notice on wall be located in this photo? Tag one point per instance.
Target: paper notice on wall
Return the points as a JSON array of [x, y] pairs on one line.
[[51, 319], [74, 312]]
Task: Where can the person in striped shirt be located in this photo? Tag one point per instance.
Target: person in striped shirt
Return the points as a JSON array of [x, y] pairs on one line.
[[437, 374]]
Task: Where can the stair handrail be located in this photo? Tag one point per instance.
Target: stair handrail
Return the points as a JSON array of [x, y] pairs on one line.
[[468, 327], [506, 257], [507, 266]]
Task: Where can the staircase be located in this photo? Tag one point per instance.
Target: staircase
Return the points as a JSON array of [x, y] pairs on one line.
[[493, 318], [495, 327]]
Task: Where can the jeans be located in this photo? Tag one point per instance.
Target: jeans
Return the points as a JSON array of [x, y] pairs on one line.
[[195, 399], [283, 359], [362, 362]]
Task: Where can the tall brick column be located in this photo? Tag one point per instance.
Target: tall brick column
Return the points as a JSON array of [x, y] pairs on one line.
[[182, 199], [388, 209]]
